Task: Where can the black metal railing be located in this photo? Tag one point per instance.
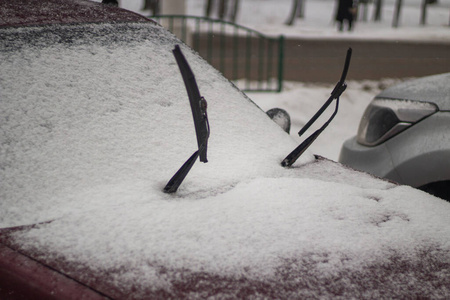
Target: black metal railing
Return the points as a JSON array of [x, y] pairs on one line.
[[251, 59]]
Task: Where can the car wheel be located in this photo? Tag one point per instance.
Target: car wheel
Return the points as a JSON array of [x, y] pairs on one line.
[[439, 189]]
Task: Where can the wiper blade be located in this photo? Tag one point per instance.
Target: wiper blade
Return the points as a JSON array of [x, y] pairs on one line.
[[177, 179], [335, 94], [198, 107], [198, 103]]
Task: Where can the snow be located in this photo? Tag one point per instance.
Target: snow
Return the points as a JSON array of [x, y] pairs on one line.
[[434, 88], [91, 150], [95, 121], [269, 17]]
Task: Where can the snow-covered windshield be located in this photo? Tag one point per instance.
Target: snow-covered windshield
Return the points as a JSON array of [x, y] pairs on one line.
[[95, 105]]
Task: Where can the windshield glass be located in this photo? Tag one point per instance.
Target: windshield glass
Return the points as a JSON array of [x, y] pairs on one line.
[[89, 107]]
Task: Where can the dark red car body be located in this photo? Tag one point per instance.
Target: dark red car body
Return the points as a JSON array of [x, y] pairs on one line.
[[35, 12]]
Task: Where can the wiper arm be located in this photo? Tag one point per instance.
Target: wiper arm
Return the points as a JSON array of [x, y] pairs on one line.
[[335, 94], [198, 108]]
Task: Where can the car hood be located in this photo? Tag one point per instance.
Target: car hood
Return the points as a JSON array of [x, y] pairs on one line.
[[270, 237], [95, 120], [435, 89]]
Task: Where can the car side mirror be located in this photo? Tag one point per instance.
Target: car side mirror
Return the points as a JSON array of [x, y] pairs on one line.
[[281, 117]]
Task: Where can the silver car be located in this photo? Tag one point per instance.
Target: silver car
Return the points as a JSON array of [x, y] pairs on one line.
[[404, 135]]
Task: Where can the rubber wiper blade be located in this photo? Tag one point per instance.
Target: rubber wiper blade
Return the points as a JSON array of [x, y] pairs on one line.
[[335, 94], [199, 113], [177, 179], [198, 103]]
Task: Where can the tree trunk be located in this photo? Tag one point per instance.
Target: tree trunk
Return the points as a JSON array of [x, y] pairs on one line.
[[221, 9], [223, 4], [234, 11], [147, 4], [378, 9], [301, 9], [297, 10], [364, 9], [152, 5], [423, 15], [398, 7]]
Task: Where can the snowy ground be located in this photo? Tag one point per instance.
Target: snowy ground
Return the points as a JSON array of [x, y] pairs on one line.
[[302, 100], [319, 15], [269, 16]]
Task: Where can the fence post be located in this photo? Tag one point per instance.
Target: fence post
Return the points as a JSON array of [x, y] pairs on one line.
[[280, 62]]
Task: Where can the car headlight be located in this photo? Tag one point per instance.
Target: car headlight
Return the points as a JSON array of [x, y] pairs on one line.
[[384, 118]]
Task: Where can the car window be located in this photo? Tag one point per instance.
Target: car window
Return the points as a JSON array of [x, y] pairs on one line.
[[87, 106]]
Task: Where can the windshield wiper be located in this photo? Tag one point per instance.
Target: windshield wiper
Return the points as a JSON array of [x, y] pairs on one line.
[[198, 108], [335, 94]]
